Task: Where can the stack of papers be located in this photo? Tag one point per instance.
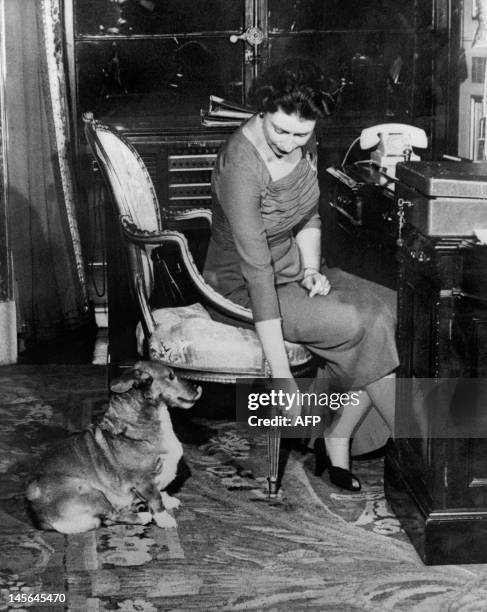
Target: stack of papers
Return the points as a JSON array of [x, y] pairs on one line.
[[224, 113]]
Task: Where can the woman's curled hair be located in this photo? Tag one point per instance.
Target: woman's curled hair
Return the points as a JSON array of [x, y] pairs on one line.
[[296, 86]]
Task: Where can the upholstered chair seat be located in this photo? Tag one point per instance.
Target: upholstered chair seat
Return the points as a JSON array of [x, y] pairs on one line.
[[187, 338]]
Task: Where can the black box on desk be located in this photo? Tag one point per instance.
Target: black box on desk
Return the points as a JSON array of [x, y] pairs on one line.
[[443, 198]]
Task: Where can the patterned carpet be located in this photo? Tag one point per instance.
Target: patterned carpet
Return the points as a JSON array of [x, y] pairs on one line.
[[315, 548]]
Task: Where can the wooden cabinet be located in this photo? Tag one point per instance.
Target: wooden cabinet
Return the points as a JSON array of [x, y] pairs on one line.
[[165, 58], [394, 60], [436, 470]]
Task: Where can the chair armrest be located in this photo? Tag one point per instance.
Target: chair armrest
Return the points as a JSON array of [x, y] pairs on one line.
[[195, 213], [155, 238], [148, 321]]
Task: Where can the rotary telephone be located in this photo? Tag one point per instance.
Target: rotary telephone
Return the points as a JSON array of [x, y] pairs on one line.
[[394, 142]]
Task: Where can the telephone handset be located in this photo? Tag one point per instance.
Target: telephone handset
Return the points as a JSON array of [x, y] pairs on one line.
[[395, 143], [396, 137]]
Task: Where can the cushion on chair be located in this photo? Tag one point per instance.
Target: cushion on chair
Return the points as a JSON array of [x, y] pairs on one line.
[[187, 337]]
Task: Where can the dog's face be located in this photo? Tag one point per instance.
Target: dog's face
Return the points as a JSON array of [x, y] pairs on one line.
[[163, 384], [159, 387]]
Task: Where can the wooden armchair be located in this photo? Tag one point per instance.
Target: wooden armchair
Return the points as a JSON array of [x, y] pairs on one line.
[[185, 337]]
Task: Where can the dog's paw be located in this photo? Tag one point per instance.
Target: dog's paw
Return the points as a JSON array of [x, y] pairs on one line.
[[165, 520], [170, 502], [144, 517]]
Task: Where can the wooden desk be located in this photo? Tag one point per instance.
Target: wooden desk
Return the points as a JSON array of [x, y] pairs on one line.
[[436, 469]]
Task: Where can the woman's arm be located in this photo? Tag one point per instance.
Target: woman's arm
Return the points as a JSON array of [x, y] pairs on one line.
[[270, 336], [308, 240], [238, 189]]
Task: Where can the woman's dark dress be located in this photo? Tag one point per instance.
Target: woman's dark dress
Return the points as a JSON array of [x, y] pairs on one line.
[[253, 259]]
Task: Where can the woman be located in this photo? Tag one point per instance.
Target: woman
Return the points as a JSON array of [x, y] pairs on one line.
[[265, 253]]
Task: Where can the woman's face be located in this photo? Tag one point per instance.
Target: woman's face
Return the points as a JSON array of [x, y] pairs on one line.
[[284, 133]]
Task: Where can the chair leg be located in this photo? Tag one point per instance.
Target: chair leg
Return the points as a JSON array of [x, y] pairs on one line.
[[273, 445]]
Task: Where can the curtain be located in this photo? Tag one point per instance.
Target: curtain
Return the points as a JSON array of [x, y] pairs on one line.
[[48, 266]]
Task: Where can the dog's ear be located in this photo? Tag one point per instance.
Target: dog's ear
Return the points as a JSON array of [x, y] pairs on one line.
[[135, 378]]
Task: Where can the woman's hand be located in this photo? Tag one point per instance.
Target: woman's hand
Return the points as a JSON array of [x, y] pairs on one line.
[[288, 391], [316, 283]]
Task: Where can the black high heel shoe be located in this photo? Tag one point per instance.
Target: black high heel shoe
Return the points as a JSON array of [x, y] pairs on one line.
[[340, 477]]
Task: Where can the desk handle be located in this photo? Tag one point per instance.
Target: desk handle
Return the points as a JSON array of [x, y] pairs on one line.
[[401, 215]]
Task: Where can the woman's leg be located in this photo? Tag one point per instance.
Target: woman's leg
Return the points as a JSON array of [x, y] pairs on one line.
[[382, 394], [337, 435], [353, 330]]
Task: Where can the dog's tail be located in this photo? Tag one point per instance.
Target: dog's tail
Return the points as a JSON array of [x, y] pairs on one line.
[[34, 495], [33, 491]]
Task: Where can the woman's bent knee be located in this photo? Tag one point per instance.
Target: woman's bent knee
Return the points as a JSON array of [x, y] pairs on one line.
[[349, 326]]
